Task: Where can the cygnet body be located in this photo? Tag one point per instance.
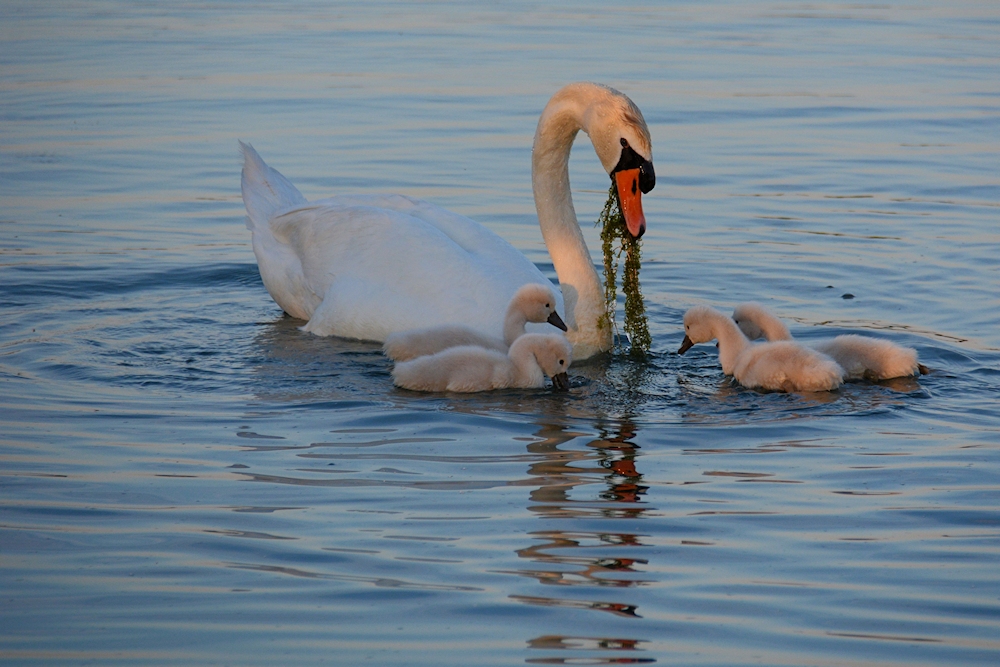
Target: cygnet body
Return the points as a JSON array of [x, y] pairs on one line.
[[859, 356], [533, 302], [470, 368], [777, 366]]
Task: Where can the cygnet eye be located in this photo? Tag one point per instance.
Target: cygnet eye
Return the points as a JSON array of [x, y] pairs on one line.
[[561, 362], [546, 305], [624, 143]]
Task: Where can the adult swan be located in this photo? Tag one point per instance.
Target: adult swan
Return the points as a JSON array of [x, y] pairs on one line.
[[365, 266]]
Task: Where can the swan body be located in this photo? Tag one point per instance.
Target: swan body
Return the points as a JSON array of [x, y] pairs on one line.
[[859, 356], [328, 261], [531, 303], [469, 368], [774, 366]]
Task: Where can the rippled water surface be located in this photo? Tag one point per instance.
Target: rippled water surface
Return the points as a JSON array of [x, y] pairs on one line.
[[187, 478]]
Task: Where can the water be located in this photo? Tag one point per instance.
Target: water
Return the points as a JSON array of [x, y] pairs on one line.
[[186, 478]]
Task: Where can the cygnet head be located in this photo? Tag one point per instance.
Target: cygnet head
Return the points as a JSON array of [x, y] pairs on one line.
[[538, 304], [747, 315], [699, 326], [552, 352]]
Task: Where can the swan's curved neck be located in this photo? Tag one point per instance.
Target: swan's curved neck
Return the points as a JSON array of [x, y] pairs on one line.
[[583, 295]]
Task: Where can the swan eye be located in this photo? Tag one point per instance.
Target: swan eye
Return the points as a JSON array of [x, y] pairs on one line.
[[624, 143], [546, 305], [561, 362]]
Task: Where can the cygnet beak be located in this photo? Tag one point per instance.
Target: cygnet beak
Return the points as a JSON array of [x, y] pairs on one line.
[[686, 345], [560, 382], [557, 321]]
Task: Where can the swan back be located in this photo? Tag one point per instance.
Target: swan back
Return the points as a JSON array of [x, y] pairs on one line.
[[756, 321]]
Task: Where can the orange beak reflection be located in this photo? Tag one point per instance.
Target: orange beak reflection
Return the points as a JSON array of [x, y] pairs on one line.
[[630, 201]]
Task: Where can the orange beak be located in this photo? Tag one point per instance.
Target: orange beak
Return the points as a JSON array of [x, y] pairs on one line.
[[630, 201]]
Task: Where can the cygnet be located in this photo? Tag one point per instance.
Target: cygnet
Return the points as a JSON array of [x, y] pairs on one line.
[[533, 302], [468, 368], [859, 356], [778, 366]]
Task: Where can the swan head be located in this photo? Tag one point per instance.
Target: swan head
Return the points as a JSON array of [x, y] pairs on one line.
[[621, 140], [553, 354], [538, 304], [699, 327], [620, 137]]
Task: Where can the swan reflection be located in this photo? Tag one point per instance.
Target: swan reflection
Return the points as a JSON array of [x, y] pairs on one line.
[[582, 559], [609, 459]]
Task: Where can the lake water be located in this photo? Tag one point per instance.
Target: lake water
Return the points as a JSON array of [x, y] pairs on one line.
[[187, 478]]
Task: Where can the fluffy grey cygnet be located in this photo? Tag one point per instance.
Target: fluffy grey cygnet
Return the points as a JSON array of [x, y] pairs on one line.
[[533, 302], [469, 368], [778, 366], [859, 356]]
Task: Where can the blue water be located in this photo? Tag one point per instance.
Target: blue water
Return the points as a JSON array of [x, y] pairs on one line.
[[187, 478]]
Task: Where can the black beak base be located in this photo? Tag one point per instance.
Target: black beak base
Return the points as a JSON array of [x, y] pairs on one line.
[[631, 160], [686, 345]]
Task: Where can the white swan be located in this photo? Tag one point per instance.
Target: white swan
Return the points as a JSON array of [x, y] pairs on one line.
[[331, 260], [777, 366], [469, 368], [859, 356], [531, 303]]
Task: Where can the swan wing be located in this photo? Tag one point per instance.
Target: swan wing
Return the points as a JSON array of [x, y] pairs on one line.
[[364, 267]]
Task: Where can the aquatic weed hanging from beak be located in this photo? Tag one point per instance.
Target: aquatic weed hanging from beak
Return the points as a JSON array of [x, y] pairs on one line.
[[612, 224]]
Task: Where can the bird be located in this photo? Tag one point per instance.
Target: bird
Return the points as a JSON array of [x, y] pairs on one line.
[[778, 366], [861, 357], [366, 266], [533, 302], [469, 368]]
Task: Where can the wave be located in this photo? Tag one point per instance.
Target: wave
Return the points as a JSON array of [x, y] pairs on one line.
[[24, 285]]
